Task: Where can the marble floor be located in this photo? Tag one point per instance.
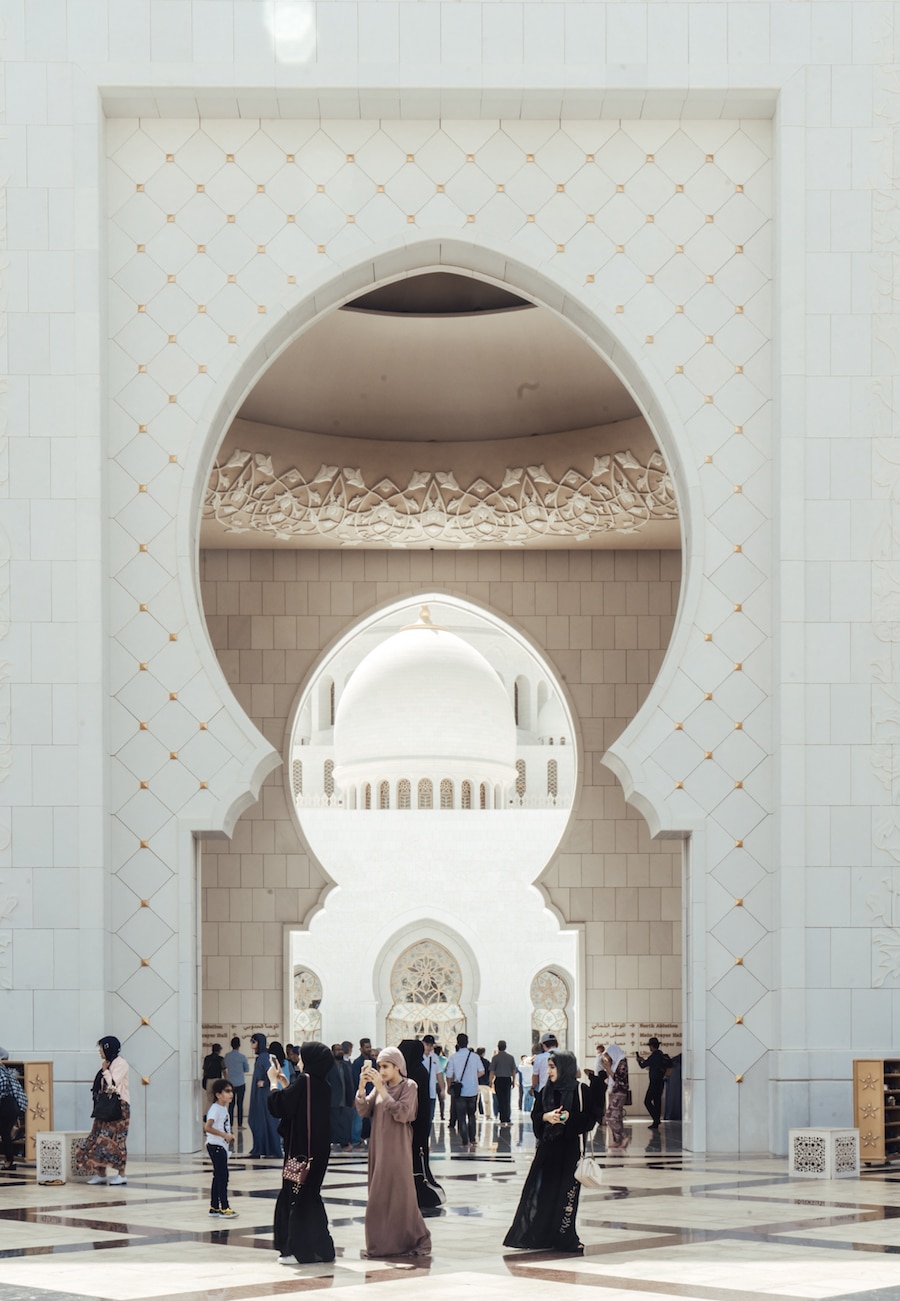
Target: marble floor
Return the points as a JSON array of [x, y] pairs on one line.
[[665, 1224]]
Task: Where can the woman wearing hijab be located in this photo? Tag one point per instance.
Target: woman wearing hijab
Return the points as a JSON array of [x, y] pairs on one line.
[[545, 1217], [105, 1145], [617, 1090], [301, 1223], [394, 1224], [263, 1126], [616, 1064], [429, 1193]]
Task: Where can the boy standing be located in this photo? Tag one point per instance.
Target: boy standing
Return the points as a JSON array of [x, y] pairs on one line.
[[217, 1128]]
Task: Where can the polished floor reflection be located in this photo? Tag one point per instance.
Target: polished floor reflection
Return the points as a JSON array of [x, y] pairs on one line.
[[666, 1224]]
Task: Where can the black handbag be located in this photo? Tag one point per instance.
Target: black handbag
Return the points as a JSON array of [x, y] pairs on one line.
[[107, 1106]]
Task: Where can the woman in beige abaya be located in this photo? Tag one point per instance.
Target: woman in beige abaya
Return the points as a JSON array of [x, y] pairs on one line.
[[394, 1224]]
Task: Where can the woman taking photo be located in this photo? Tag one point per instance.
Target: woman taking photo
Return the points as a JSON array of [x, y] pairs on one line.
[[105, 1144], [616, 1065], [545, 1218], [394, 1224], [303, 1107]]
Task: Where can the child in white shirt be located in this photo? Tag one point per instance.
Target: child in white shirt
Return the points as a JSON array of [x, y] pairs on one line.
[[217, 1128]]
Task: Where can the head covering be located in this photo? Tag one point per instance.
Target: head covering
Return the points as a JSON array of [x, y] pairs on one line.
[[615, 1054], [111, 1047], [559, 1092], [260, 1040], [393, 1055], [413, 1051], [316, 1058], [547, 1038], [277, 1051]]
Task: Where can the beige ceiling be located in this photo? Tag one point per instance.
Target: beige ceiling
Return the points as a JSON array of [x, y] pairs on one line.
[[444, 378]]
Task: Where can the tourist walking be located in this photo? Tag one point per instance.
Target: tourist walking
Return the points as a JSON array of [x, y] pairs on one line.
[[545, 1216], [213, 1066], [237, 1068], [463, 1072], [394, 1224], [302, 1236], [266, 1140], [656, 1065], [503, 1072], [105, 1145], [616, 1065], [13, 1105], [435, 1068]]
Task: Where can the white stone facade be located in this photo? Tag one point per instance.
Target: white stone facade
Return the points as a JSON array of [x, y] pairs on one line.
[[760, 138]]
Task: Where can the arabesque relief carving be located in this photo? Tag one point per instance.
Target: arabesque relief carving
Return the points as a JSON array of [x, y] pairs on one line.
[[245, 493]]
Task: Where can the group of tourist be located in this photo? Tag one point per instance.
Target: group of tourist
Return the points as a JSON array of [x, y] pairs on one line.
[[291, 1116]]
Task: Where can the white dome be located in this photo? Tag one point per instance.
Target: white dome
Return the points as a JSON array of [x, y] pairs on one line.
[[552, 720], [424, 703]]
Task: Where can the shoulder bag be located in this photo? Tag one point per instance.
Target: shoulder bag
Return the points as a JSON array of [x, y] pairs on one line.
[[588, 1171], [296, 1168], [456, 1085]]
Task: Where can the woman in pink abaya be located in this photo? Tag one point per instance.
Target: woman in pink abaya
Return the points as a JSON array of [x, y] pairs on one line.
[[394, 1224]]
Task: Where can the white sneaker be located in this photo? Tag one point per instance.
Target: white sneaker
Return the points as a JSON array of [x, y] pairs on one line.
[[97, 1179], [117, 1179], [288, 1260]]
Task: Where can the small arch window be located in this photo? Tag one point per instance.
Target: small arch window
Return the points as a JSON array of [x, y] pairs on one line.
[[552, 778], [465, 800], [297, 778], [367, 796], [404, 794], [482, 797], [520, 777], [307, 1018], [384, 795], [426, 794], [446, 793], [328, 778]]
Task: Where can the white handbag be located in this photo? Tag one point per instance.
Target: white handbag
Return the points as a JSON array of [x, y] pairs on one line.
[[589, 1171]]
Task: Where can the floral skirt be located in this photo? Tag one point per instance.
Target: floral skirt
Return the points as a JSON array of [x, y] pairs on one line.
[[615, 1121], [104, 1145]]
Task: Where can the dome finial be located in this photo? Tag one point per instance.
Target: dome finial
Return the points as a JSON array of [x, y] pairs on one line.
[[423, 621]]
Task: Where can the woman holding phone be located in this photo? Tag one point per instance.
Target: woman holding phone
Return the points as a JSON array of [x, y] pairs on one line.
[[545, 1217], [394, 1224], [302, 1236]]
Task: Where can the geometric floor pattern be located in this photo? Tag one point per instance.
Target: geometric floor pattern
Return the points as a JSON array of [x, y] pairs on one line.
[[665, 1224]]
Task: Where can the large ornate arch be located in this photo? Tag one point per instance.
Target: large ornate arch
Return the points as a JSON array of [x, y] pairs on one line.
[[610, 339]]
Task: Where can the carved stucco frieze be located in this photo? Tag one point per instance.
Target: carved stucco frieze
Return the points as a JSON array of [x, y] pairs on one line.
[[620, 493]]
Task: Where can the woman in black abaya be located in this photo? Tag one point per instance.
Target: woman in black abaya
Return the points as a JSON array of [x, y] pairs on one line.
[[266, 1139], [301, 1223], [545, 1218], [429, 1193]]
